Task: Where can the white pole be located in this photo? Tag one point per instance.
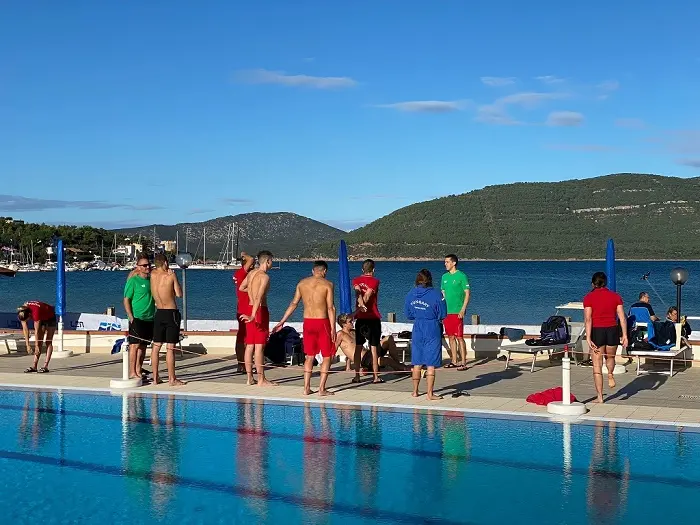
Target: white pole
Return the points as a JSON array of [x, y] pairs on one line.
[[125, 382], [125, 362], [566, 377], [565, 407], [61, 352]]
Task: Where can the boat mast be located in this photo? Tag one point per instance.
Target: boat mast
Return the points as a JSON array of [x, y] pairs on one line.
[[205, 246], [238, 237]]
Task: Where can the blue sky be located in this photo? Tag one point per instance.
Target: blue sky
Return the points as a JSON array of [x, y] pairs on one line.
[[120, 113]]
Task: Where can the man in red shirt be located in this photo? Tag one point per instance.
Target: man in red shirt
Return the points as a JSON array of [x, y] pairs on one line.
[[242, 307], [44, 317], [368, 325], [602, 310]]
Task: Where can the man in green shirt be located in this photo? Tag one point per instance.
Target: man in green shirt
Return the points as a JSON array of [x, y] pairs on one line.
[[140, 308], [455, 290]]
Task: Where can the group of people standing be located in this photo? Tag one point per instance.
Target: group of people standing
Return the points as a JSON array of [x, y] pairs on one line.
[[427, 307]]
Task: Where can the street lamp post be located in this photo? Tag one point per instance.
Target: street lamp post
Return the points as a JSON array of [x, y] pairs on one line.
[[184, 260], [679, 276]]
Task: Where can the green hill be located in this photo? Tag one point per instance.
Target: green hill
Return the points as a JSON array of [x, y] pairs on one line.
[[649, 216], [285, 234]]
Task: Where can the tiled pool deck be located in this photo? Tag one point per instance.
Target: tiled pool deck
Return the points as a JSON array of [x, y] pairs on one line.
[[647, 399]]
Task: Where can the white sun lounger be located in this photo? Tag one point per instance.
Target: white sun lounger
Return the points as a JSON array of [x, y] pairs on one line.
[[519, 347], [10, 336], [681, 348]]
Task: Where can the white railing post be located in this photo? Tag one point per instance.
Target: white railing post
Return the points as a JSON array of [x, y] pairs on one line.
[[125, 382], [61, 352], [565, 407]]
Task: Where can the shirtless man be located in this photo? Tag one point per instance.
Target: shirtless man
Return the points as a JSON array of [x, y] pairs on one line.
[[242, 308], [388, 351], [316, 292], [166, 323], [257, 284]]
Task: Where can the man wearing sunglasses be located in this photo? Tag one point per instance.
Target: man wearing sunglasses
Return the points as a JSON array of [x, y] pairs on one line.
[[140, 308]]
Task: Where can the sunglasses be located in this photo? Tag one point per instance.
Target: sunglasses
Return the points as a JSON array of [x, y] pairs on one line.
[[144, 265]]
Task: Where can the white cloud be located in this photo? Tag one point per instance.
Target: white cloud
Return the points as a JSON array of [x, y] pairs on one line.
[[606, 88], [231, 200], [493, 114], [427, 106], [565, 118], [529, 99], [264, 76], [498, 81], [633, 123], [693, 163], [550, 79]]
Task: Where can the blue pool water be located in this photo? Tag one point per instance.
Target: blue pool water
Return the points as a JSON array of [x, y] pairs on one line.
[[75, 458]]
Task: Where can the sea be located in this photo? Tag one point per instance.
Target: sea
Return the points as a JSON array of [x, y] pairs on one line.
[[503, 292]]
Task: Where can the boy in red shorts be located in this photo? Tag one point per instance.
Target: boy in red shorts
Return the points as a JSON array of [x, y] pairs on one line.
[[455, 290], [242, 308], [316, 292], [256, 285], [44, 317]]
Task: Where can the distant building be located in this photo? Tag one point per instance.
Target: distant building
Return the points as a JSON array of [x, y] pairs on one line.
[[168, 246], [128, 251]]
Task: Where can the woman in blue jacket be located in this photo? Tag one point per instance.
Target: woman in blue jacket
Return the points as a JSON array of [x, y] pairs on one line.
[[425, 306]]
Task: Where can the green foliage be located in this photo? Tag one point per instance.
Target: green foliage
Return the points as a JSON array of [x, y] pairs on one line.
[[648, 216], [20, 236]]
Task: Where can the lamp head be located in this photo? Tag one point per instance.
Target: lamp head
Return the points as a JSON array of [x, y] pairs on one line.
[[679, 276], [183, 260]]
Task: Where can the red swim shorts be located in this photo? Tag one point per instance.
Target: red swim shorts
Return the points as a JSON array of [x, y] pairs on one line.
[[317, 337], [258, 330], [454, 326], [242, 327]]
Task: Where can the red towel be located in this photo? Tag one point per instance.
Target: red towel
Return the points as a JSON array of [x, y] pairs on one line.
[[547, 396]]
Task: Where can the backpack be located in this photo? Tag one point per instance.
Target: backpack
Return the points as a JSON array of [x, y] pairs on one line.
[[282, 344], [554, 331]]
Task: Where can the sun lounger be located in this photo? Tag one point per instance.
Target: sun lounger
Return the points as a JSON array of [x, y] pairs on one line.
[[519, 347], [7, 337], [681, 348]]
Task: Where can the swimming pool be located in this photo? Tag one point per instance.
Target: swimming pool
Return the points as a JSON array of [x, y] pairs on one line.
[[97, 458]]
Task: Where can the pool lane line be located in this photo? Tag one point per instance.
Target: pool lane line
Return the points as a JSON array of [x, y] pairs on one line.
[[232, 489], [506, 414]]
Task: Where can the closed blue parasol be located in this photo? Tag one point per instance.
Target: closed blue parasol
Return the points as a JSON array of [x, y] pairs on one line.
[[610, 265], [344, 279], [60, 280]]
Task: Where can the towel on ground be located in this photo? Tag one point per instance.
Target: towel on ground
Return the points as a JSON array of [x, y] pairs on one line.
[[547, 396]]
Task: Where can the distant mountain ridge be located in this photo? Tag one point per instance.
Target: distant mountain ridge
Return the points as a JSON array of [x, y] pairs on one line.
[[285, 234], [648, 216]]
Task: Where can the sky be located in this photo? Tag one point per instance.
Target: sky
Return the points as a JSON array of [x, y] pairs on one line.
[[123, 113]]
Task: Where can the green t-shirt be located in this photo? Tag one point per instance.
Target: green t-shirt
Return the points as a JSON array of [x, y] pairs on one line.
[[454, 286], [138, 290]]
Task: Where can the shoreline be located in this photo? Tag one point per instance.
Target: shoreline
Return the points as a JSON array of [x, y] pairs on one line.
[[465, 259]]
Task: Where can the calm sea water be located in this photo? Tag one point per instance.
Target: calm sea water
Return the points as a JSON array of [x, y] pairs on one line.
[[502, 292], [68, 458]]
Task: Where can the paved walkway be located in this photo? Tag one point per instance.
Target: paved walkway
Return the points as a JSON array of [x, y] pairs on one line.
[[651, 398]]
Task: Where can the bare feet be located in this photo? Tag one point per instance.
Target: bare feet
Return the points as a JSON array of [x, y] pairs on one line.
[[158, 381], [599, 399], [433, 397], [611, 381], [308, 392], [415, 394], [265, 382], [325, 393], [250, 382], [177, 382]]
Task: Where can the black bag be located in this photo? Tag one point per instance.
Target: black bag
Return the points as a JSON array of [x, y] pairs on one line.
[[281, 344], [637, 341], [554, 331]]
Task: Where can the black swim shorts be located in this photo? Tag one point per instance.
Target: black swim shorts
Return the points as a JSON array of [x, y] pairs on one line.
[[608, 336], [166, 326], [140, 332], [368, 330]]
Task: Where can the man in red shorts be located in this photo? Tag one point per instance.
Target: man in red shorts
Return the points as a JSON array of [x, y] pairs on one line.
[[44, 317], [316, 292], [256, 285], [242, 308], [455, 290]]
